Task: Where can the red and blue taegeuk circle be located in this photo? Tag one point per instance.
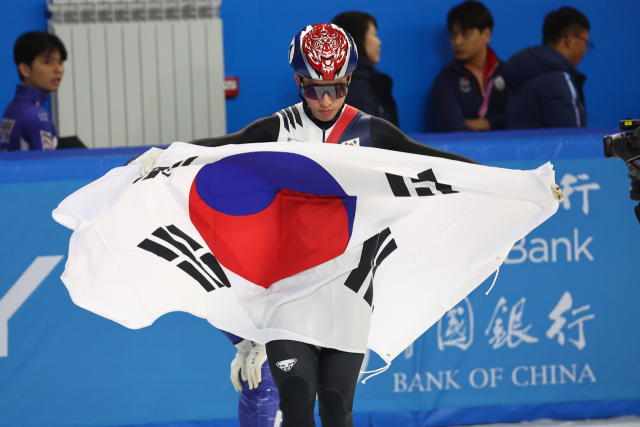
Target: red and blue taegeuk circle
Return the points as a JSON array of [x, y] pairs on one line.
[[269, 215]]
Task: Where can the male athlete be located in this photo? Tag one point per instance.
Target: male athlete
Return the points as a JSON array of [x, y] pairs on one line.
[[323, 57]]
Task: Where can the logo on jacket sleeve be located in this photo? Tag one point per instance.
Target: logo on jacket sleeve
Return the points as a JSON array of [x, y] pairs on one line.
[[49, 142], [465, 85], [6, 127], [354, 141], [286, 365]]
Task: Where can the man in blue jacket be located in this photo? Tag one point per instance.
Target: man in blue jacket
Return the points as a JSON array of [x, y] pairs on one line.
[[469, 94], [544, 86], [26, 124]]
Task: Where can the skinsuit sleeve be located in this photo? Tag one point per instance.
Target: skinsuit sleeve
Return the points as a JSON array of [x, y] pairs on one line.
[[386, 136], [261, 130]]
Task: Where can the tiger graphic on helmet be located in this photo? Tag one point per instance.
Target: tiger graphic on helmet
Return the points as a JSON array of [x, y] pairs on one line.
[[323, 52]]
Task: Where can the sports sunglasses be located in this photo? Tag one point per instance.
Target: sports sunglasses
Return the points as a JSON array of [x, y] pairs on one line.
[[316, 92]]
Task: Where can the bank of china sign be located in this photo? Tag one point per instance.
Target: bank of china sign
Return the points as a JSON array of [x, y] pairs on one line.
[[509, 325]]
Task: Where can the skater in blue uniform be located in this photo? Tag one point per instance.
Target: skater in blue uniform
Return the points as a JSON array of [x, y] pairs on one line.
[[26, 124], [250, 375]]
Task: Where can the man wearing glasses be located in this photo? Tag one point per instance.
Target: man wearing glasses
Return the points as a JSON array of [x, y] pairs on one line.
[[323, 56], [545, 88]]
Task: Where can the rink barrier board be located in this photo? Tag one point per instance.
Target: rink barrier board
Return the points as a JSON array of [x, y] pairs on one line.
[[482, 147]]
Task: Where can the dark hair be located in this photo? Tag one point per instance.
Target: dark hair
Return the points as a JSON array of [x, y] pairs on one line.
[[31, 44], [559, 23], [357, 25], [470, 14]]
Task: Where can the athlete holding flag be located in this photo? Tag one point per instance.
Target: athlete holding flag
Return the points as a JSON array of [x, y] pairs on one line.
[[323, 57]]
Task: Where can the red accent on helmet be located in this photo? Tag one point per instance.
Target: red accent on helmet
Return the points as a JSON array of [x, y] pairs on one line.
[[326, 50]]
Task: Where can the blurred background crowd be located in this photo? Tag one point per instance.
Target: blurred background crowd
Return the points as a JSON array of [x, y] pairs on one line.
[[424, 66]]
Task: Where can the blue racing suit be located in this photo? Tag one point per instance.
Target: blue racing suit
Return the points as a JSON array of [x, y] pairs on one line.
[[26, 125], [258, 407]]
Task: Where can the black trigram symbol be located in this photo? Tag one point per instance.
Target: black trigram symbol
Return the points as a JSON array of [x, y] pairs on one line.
[[374, 251], [425, 185], [166, 171], [209, 280]]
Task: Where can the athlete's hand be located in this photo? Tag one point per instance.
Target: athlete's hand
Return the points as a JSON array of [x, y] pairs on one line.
[[255, 360], [238, 365], [147, 160]]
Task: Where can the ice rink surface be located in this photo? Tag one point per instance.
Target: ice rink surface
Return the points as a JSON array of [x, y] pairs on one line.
[[609, 422]]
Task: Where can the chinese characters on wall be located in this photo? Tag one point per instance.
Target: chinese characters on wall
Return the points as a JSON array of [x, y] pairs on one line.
[[507, 325]]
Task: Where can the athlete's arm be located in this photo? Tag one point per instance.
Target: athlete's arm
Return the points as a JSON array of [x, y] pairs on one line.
[[387, 136], [262, 130], [233, 338]]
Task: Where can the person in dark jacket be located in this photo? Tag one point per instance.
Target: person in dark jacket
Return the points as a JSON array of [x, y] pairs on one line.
[[370, 89], [544, 86], [469, 94]]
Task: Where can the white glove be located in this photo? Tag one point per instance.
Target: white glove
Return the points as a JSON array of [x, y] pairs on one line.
[[147, 160], [238, 365], [255, 360]]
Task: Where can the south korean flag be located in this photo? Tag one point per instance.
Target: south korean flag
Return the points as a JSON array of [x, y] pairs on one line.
[[319, 243]]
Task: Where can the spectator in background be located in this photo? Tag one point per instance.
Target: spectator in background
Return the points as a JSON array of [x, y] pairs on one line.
[[370, 89], [26, 125], [545, 88], [469, 94]]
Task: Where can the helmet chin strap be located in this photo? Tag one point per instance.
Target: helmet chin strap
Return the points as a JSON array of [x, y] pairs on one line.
[[300, 88]]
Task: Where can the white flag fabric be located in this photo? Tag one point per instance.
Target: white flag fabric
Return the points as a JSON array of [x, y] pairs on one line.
[[331, 245]]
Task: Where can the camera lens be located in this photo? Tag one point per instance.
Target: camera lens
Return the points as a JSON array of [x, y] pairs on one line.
[[608, 148]]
